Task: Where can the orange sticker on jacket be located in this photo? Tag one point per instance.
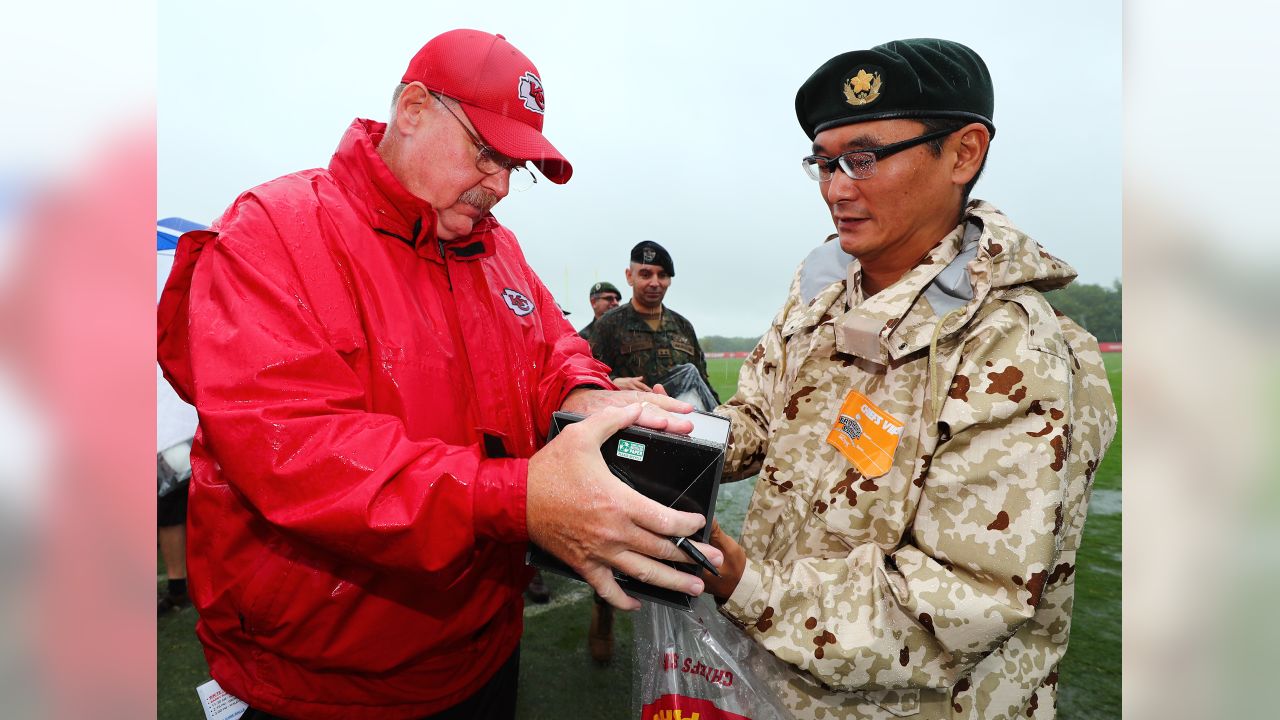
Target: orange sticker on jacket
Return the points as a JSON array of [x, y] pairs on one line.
[[866, 435]]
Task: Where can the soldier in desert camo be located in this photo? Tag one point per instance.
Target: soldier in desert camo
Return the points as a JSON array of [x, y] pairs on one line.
[[925, 427]]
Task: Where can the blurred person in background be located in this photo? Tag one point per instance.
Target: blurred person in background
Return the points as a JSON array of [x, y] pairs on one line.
[[926, 428], [175, 426], [604, 297], [173, 471], [646, 343], [375, 367]]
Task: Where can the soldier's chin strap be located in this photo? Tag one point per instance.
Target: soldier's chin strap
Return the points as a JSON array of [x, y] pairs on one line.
[[949, 294]]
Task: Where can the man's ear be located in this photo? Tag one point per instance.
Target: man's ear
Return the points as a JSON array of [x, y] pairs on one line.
[[411, 108], [971, 144], [627, 272]]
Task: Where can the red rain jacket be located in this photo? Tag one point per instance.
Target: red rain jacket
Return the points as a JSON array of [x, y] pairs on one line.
[[368, 399]]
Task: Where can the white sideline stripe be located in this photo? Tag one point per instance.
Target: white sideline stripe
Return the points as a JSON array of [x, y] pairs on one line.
[[582, 592]]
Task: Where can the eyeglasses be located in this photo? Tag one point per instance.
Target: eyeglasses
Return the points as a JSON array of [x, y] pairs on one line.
[[861, 164], [492, 162]]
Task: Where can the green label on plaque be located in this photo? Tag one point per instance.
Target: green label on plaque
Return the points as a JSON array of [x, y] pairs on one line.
[[630, 450]]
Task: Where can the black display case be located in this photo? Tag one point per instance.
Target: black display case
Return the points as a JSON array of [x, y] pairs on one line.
[[680, 471]]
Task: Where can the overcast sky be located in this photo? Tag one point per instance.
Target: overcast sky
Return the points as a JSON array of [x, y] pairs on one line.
[[678, 118]]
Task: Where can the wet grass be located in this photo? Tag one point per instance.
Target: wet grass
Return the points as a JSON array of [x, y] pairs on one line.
[[557, 677], [1089, 682], [180, 666], [723, 373]]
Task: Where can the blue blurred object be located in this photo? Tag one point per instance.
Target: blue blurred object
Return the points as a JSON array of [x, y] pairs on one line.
[[175, 419], [168, 230]]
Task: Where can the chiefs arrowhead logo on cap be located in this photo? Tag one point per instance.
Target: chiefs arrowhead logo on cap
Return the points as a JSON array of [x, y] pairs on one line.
[[862, 87], [530, 91]]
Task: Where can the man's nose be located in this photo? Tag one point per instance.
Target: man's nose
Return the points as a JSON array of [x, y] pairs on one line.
[[840, 187], [498, 183]]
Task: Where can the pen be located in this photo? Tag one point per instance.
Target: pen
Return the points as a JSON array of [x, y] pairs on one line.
[[681, 542], [684, 544]]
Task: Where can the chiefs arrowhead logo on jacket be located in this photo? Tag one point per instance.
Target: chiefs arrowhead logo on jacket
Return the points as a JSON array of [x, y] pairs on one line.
[[519, 304]]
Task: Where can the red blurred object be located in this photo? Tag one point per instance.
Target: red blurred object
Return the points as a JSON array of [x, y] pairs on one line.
[[77, 316]]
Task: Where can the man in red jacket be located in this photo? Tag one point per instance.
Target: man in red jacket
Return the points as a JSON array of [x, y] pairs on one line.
[[375, 366]]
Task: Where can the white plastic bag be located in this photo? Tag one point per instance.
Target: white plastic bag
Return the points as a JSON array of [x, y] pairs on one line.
[[698, 664], [173, 467]]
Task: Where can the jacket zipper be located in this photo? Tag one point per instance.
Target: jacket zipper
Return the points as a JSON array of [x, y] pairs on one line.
[[445, 260]]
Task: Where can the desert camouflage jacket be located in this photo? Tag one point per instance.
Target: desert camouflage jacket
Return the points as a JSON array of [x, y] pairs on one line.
[[925, 465]]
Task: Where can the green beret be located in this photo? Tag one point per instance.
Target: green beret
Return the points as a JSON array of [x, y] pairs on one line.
[[604, 287], [648, 252], [918, 78]]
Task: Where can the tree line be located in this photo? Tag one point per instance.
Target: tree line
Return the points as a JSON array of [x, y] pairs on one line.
[[1095, 307]]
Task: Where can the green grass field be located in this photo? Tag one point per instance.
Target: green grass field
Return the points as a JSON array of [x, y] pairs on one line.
[[1089, 683], [558, 678]]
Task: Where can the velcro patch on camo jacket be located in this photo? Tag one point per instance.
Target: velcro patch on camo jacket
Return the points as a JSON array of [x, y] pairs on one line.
[[866, 435]]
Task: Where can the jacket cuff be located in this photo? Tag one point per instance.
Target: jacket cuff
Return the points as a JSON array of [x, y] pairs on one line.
[[498, 502], [588, 384], [746, 605]]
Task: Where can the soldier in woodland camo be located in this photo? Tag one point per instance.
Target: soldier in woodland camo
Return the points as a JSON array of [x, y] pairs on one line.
[[925, 427], [644, 341]]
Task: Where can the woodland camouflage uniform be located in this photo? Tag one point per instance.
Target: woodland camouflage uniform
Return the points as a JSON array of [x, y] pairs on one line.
[[623, 340], [933, 580]]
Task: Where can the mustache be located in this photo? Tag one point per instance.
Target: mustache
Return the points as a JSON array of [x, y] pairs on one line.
[[480, 199]]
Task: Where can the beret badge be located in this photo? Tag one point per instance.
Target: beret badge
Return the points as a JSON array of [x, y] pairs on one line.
[[863, 87]]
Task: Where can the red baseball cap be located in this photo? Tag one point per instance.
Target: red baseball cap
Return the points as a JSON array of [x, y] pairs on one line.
[[499, 89]]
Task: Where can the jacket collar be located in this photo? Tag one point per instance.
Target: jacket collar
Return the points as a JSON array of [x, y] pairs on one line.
[[899, 320], [890, 323], [389, 208]]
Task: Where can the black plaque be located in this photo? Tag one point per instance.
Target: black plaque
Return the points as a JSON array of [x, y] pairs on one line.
[[680, 471]]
